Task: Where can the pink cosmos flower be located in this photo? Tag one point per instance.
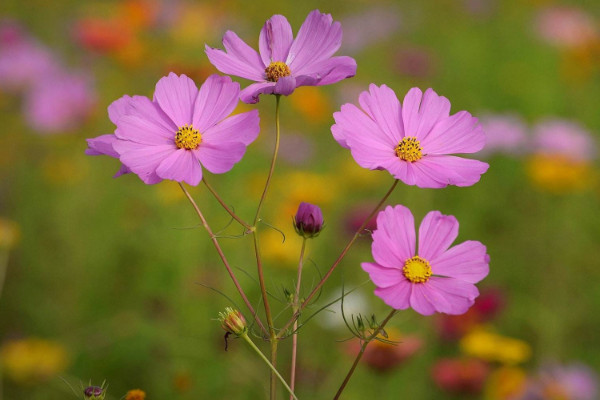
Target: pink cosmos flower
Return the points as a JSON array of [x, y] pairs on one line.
[[285, 63], [504, 134], [60, 102], [23, 61], [565, 26], [436, 278], [412, 141], [179, 131], [565, 138]]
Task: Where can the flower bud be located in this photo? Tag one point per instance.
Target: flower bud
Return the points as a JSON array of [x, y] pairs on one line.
[[308, 221], [233, 321], [94, 393]]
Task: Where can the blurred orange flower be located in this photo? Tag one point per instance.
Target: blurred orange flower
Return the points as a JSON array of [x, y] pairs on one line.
[[135, 394]]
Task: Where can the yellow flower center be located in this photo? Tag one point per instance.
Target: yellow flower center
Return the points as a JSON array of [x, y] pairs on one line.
[[276, 70], [187, 137], [409, 149], [417, 270]]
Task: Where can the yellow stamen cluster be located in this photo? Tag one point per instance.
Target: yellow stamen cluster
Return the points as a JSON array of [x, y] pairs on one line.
[[409, 149], [187, 137], [276, 70], [417, 270]]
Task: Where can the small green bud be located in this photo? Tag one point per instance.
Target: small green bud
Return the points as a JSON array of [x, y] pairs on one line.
[[233, 321]]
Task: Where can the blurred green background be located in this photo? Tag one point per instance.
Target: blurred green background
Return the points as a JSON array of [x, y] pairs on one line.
[[110, 279]]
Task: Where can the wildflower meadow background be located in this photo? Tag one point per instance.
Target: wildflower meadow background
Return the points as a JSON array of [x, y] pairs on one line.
[[112, 280]]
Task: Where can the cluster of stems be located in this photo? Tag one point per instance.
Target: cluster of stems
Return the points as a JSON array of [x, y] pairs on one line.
[[268, 331]]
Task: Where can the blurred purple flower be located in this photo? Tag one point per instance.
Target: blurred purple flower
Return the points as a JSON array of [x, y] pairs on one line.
[[412, 141], [285, 63], [182, 129], [565, 138], [504, 134], [356, 216], [573, 382], [368, 27], [436, 278], [23, 61], [296, 149], [59, 102], [565, 26], [416, 62]]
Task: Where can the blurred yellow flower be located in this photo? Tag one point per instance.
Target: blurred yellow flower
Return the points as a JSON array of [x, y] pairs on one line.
[[63, 170], [135, 394], [490, 346], [195, 22], [312, 103], [505, 383], [169, 193], [33, 360], [9, 233], [353, 176], [559, 174], [273, 248]]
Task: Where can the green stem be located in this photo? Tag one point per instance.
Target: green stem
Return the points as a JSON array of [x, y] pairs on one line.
[[261, 278], [339, 259], [273, 369], [223, 258], [229, 211], [273, 161], [294, 309], [361, 352]]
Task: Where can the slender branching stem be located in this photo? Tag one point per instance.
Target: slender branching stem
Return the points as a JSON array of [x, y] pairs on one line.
[[363, 346], [261, 279], [273, 161], [271, 366], [224, 259], [295, 302], [337, 261], [229, 210]]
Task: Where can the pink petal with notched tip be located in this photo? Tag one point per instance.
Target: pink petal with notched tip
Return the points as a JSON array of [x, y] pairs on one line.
[[250, 94], [275, 39], [450, 296], [467, 261], [382, 105], [217, 98], [142, 159], [451, 170], [436, 234], [242, 128], [221, 156], [317, 40], [176, 96], [459, 133], [420, 112], [238, 59], [398, 225], [285, 85], [180, 166], [118, 108], [397, 296], [102, 145], [327, 71], [383, 277]]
